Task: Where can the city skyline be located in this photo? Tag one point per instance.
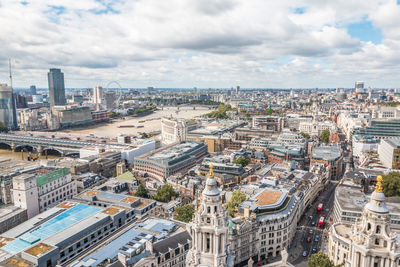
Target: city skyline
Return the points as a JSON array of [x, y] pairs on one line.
[[184, 44]]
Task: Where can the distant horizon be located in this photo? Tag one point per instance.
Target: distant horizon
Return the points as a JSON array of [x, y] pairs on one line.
[[208, 44], [208, 88]]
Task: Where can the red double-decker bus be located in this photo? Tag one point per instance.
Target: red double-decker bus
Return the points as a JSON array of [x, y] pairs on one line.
[[319, 208], [321, 222]]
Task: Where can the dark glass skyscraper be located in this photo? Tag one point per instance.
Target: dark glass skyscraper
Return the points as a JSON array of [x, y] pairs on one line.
[[33, 90], [8, 112], [56, 87]]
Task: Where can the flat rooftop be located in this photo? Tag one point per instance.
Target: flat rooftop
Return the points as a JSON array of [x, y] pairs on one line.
[[11, 167], [343, 229], [358, 199], [394, 142], [39, 249], [17, 262], [57, 224], [132, 240], [111, 210], [326, 153], [7, 211], [173, 152], [268, 197]]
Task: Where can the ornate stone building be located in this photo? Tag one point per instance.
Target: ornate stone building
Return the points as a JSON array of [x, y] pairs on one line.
[[369, 242], [209, 230]]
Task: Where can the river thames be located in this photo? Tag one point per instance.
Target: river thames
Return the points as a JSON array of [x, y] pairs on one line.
[[147, 124]]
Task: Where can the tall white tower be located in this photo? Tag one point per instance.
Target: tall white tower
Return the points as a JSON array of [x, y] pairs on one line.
[[98, 95], [209, 229]]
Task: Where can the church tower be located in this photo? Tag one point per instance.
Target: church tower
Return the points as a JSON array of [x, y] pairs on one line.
[[373, 234], [209, 229], [369, 242]]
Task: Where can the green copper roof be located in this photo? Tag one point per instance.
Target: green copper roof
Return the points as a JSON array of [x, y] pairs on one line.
[[51, 176], [126, 176]]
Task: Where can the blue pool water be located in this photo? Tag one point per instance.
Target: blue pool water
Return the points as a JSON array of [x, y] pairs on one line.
[[51, 227]]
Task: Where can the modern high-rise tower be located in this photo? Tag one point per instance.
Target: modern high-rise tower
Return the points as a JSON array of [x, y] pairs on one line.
[[8, 112], [98, 95], [359, 87], [33, 90], [56, 87]]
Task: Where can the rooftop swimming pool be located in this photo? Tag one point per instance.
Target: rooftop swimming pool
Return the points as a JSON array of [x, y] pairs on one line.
[[51, 227]]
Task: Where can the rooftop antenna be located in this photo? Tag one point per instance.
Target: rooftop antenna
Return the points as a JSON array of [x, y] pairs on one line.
[[9, 65]]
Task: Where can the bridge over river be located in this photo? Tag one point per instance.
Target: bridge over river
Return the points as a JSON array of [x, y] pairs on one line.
[[64, 147]]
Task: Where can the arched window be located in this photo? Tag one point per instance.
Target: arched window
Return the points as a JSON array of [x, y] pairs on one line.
[[378, 229], [369, 227]]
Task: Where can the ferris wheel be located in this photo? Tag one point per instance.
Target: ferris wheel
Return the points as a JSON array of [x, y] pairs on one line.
[[119, 92]]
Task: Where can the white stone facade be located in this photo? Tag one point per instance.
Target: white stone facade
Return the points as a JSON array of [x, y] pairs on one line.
[[209, 230], [173, 131], [369, 242], [315, 128]]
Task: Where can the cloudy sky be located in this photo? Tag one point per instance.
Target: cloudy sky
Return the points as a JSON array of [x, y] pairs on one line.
[[202, 43]]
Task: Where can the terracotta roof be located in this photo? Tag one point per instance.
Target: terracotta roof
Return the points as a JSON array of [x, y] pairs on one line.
[[129, 199], [39, 249], [111, 211], [268, 197], [92, 193], [66, 205]]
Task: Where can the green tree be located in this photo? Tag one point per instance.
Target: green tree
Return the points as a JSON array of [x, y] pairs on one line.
[[141, 192], [237, 198], [242, 161], [3, 128], [324, 137], [320, 260], [114, 114], [247, 116], [305, 135], [220, 113], [165, 193], [184, 213], [391, 184]]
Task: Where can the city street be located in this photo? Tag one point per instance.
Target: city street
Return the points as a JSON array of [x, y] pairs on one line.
[[306, 229]]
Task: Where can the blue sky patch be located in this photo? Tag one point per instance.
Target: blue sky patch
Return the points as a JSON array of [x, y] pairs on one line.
[[25, 3], [365, 31], [107, 8], [58, 10], [284, 59], [301, 10]]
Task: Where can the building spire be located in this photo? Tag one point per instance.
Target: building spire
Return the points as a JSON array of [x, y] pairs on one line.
[[211, 173], [378, 187]]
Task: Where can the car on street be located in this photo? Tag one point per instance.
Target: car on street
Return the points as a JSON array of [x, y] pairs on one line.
[[314, 250], [304, 253], [310, 231], [313, 223], [316, 238], [308, 239]]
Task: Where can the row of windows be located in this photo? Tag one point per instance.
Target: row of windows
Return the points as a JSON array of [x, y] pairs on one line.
[[84, 243]]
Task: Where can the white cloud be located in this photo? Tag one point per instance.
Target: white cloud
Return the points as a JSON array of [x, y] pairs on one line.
[[203, 43]]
